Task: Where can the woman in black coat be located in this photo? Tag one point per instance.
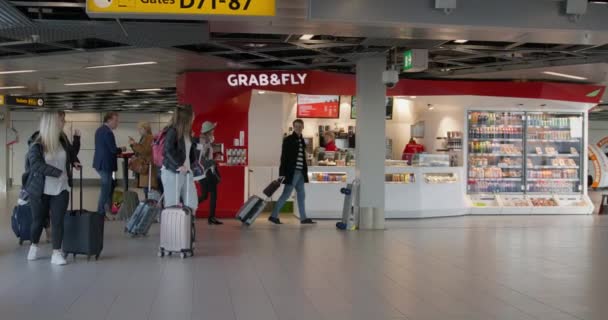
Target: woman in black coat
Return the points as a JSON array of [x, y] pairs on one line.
[[51, 158]]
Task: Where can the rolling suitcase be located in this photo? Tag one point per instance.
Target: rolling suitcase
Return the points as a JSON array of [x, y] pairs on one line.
[[82, 230], [350, 210], [129, 204], [250, 210], [254, 206], [21, 222], [145, 214], [177, 230]]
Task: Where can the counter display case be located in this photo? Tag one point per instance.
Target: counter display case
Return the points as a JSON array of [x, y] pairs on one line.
[[431, 160], [327, 177]]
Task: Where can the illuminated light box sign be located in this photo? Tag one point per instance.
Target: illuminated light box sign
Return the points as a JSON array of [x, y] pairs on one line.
[[266, 79], [313, 106], [155, 9], [21, 101]]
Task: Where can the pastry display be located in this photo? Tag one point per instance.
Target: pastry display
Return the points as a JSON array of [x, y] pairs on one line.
[[544, 202]]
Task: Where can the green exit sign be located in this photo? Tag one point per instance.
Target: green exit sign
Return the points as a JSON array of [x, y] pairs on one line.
[[415, 60], [408, 59]]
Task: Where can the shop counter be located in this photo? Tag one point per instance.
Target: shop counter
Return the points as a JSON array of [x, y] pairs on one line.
[[411, 192], [429, 192]]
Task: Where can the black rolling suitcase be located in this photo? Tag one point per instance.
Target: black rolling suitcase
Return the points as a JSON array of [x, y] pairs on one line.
[[83, 230], [254, 206]]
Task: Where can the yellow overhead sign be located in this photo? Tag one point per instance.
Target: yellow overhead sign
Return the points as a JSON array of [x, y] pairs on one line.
[[1, 100], [182, 7]]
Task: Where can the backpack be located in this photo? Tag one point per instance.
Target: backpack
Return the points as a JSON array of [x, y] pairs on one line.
[[158, 147]]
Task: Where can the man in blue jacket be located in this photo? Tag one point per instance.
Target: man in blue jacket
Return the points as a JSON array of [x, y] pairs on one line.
[[105, 159]]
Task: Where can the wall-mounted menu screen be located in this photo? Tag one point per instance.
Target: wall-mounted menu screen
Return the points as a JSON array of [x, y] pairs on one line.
[[388, 105], [315, 106]]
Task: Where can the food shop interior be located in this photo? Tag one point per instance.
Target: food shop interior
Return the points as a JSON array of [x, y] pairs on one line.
[[469, 154]]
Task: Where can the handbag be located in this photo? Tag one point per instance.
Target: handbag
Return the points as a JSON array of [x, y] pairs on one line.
[[139, 165]]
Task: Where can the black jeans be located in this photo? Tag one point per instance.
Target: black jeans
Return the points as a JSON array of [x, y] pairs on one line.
[[209, 190], [57, 206]]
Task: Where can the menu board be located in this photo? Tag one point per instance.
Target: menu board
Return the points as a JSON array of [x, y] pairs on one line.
[[312, 106], [389, 108]]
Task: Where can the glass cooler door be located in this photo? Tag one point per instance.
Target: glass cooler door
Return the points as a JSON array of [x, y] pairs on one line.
[[495, 152], [554, 148]]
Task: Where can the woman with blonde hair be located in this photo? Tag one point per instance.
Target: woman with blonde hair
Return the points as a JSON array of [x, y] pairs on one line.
[[51, 158], [143, 157], [178, 154]]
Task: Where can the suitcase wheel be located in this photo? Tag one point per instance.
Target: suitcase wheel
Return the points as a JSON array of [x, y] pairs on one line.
[[161, 253], [170, 253], [183, 255], [97, 257]]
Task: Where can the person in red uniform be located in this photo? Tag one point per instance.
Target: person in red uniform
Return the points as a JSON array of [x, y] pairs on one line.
[[330, 141], [411, 148]]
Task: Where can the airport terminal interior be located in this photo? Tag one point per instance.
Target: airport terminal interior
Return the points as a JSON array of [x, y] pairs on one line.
[[372, 159]]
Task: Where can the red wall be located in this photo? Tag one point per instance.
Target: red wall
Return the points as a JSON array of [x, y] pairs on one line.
[[214, 99]]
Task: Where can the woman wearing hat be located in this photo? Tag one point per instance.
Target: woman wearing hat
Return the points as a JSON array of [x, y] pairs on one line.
[[209, 175]]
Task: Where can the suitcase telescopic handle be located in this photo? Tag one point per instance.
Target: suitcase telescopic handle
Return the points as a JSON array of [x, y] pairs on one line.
[[72, 192]]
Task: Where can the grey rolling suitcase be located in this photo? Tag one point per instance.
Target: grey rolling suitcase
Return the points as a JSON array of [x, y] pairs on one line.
[[254, 206], [177, 230], [350, 210], [146, 212], [129, 204], [251, 210]]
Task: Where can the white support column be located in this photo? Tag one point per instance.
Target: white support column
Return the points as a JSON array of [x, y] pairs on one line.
[[371, 140], [4, 160]]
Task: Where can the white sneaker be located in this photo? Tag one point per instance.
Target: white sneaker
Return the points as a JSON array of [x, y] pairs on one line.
[[57, 258], [33, 254]]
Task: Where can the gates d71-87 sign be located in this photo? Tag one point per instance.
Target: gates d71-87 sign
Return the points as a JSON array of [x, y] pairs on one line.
[[189, 8]]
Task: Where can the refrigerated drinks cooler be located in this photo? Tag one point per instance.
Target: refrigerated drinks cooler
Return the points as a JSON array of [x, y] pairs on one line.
[[526, 162]]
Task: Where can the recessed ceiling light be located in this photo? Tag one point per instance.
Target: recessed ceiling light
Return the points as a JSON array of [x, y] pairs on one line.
[[123, 65], [598, 1], [126, 91], [307, 36], [17, 71], [90, 83], [256, 45], [149, 90], [412, 97], [563, 75], [13, 87], [461, 41], [261, 92]]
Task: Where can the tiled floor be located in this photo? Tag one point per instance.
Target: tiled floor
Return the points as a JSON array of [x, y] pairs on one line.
[[468, 268]]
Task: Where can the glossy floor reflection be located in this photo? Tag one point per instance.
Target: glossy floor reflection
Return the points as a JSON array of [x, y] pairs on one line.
[[467, 268]]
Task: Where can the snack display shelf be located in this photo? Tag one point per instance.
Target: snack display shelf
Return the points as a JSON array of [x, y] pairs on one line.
[[484, 204], [566, 155], [553, 140], [495, 155], [554, 179], [496, 179], [552, 167], [495, 167], [495, 140]]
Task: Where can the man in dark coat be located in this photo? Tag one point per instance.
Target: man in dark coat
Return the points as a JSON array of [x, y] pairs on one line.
[[105, 159], [294, 171]]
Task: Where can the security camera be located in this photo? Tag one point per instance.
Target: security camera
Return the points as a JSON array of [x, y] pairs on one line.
[[390, 78]]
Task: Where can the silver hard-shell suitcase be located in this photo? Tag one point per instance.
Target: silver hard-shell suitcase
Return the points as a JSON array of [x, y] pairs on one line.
[[177, 230], [250, 210], [350, 210]]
